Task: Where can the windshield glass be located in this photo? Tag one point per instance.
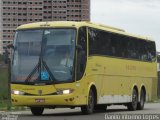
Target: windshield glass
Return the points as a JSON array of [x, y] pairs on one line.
[[43, 55], [26, 53]]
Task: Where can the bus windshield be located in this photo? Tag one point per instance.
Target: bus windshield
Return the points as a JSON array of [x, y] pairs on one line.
[[44, 55]]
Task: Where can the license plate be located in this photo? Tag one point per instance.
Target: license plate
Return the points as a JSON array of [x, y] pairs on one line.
[[40, 100]]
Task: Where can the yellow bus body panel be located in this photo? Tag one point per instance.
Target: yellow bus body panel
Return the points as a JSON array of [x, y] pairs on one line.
[[113, 78], [72, 99]]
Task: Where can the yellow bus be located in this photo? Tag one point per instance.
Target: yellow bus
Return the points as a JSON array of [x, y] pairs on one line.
[[81, 64]]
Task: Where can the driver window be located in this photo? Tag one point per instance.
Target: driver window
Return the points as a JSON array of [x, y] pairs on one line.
[[81, 53], [66, 59]]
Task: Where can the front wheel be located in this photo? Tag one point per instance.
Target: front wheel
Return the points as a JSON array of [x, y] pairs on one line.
[[132, 106], [101, 108], [37, 110], [88, 109]]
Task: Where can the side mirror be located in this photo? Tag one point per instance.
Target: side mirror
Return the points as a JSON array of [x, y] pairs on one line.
[[6, 56], [10, 46]]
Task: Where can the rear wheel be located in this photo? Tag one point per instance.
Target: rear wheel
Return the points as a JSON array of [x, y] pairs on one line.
[[88, 109], [132, 106], [37, 110], [140, 105]]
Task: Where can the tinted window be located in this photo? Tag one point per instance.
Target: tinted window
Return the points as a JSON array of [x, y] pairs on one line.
[[82, 52], [116, 45], [99, 42]]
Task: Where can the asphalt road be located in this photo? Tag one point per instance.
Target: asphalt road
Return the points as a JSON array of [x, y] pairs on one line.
[[75, 114]]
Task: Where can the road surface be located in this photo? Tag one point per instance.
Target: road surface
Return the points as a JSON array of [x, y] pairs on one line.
[[75, 114]]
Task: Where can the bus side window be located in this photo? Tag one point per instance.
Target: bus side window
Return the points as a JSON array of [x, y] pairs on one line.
[[81, 52]]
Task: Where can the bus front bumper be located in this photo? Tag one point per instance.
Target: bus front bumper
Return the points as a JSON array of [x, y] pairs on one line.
[[50, 100]]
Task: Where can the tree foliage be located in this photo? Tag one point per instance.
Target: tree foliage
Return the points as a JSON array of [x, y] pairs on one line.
[[158, 58]]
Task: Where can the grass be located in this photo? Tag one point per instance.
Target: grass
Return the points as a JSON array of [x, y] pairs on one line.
[[5, 102], [3, 83], [4, 93], [1, 58], [158, 99]]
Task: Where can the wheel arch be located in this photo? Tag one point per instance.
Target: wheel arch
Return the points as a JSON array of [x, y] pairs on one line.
[[136, 88], [93, 87], [144, 89]]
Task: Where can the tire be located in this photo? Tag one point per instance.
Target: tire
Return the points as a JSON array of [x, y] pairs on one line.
[[89, 108], [37, 110], [140, 105], [132, 106], [100, 108]]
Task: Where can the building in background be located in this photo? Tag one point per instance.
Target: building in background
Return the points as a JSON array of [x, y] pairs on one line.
[[13, 13], [1, 43]]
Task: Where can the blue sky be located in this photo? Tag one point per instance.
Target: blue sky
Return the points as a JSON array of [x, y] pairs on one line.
[[140, 17]]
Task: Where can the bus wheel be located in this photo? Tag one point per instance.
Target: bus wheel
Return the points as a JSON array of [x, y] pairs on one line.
[[133, 105], [88, 109], [37, 110], [140, 105], [101, 107]]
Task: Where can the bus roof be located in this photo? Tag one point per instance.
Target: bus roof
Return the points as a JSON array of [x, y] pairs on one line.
[[59, 24]]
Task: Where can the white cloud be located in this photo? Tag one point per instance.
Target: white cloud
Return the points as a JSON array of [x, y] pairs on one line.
[[135, 16]]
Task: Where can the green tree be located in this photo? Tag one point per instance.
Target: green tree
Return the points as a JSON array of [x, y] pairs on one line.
[[158, 58]]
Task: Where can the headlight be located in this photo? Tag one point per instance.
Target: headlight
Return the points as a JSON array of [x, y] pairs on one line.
[[16, 92], [64, 91]]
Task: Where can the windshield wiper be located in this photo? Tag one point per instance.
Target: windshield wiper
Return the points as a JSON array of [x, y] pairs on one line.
[[40, 66], [33, 72], [48, 70]]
